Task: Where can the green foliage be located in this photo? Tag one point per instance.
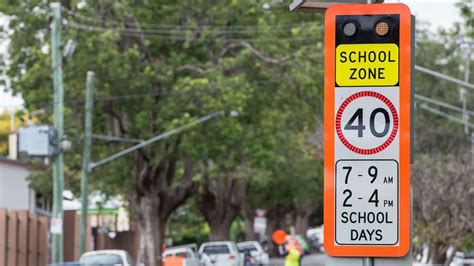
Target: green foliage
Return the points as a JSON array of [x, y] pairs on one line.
[[467, 242], [265, 64], [40, 177], [467, 11], [188, 226], [237, 230], [441, 52]]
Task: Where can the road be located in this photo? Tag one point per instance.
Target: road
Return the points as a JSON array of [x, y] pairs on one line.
[[309, 260]]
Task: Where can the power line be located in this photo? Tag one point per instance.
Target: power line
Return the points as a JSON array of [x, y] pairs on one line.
[[210, 90], [442, 104], [445, 115], [236, 28], [445, 77], [138, 33]]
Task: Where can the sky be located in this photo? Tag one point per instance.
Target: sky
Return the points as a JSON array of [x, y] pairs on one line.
[[439, 13]]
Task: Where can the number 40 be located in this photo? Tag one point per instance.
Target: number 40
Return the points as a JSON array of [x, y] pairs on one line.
[[359, 125]]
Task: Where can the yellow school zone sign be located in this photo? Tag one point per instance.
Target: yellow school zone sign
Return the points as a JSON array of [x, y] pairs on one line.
[[367, 64]]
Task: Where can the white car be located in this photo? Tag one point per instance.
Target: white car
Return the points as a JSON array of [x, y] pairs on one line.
[[106, 257], [316, 238], [222, 253], [461, 259], [255, 250], [190, 258]]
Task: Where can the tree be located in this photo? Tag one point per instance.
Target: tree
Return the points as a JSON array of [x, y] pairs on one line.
[[442, 163], [187, 226], [466, 8], [152, 78], [441, 208]]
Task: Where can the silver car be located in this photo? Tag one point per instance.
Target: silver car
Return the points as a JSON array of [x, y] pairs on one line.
[[221, 253], [106, 257], [256, 251]]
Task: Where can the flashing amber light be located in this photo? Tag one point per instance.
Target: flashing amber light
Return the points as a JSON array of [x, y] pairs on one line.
[[382, 28]]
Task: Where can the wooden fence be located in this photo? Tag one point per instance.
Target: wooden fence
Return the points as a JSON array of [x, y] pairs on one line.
[[23, 238]]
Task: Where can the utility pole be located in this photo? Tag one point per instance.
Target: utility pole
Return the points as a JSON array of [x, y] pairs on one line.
[[86, 157], [58, 164], [463, 92]]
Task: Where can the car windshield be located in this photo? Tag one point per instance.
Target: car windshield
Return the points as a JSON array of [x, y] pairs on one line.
[[101, 259], [182, 254], [247, 248], [217, 249]]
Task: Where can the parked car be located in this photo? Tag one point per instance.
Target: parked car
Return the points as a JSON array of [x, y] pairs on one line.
[[106, 257], [221, 253], [315, 238], [67, 263], [259, 256], [462, 259], [186, 253]]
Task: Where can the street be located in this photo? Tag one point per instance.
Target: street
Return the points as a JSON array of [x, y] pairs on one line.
[[312, 259]]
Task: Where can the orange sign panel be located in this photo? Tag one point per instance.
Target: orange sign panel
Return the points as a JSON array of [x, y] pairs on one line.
[[367, 130]]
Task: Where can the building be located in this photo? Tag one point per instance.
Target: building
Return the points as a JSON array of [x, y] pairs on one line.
[[15, 192]]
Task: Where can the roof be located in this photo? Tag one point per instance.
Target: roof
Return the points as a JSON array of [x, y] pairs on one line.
[[177, 250], [105, 251], [12, 162]]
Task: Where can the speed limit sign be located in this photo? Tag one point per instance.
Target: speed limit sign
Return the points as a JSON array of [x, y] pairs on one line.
[[367, 130]]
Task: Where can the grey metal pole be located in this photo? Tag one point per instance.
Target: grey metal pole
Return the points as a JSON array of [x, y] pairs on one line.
[[89, 106], [156, 138], [467, 73], [58, 164], [368, 261], [116, 139], [472, 147], [463, 91]]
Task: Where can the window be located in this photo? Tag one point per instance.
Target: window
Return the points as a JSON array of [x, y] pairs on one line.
[[102, 259], [247, 248], [217, 249]]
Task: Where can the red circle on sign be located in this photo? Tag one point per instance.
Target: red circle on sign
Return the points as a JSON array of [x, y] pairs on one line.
[[392, 134]]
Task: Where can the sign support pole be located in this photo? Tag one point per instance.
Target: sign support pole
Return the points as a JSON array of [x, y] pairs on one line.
[[368, 261], [58, 164]]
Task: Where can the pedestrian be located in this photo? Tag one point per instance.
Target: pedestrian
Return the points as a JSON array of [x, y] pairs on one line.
[[293, 255]]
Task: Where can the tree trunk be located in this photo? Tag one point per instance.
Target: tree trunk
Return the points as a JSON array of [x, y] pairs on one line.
[[302, 223], [153, 199], [449, 258], [220, 201], [249, 216], [303, 212], [438, 253], [221, 231], [149, 246], [275, 220]]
